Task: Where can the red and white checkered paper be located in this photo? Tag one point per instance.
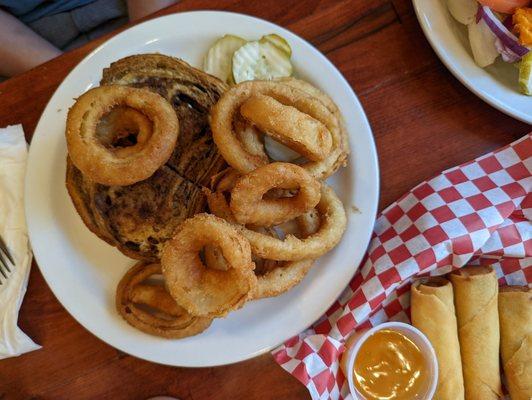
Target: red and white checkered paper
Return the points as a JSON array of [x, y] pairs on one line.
[[477, 213]]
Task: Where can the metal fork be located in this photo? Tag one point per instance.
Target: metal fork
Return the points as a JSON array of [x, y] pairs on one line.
[[4, 264]]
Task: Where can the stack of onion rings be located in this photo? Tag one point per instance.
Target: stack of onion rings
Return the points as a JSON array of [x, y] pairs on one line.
[[291, 257], [97, 159], [269, 222], [167, 319]]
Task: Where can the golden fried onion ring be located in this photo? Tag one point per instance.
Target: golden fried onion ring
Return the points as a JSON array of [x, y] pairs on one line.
[[286, 124], [249, 206], [149, 307], [332, 227], [205, 291], [284, 275], [281, 278], [234, 152], [101, 162]]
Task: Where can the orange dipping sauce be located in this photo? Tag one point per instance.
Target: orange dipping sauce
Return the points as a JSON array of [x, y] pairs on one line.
[[389, 366]]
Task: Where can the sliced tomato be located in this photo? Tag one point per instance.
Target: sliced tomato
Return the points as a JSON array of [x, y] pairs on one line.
[[505, 6]]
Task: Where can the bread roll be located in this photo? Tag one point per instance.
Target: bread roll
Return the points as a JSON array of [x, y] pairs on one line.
[[432, 311], [475, 298], [515, 316]]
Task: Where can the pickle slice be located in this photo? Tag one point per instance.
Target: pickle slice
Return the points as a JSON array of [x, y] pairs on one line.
[[260, 60], [218, 60], [277, 41]]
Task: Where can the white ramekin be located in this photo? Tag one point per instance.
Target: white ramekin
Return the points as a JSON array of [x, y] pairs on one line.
[[355, 341]]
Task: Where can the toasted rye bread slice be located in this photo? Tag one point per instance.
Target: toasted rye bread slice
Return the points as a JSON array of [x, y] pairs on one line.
[[139, 218]]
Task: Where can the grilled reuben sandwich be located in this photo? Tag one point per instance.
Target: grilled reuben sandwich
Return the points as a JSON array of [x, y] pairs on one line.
[[139, 218]]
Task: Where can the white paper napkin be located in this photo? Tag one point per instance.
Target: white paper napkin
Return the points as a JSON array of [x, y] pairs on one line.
[[13, 155]]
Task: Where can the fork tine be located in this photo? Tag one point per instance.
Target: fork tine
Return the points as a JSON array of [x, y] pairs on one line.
[[1, 269], [3, 247], [4, 263]]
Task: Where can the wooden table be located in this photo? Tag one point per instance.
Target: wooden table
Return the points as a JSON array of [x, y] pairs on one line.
[[423, 120]]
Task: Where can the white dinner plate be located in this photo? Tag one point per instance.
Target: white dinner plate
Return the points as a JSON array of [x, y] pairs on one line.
[[496, 85], [83, 271]]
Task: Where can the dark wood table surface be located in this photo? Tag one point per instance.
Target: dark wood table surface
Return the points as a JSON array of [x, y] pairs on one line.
[[423, 120]]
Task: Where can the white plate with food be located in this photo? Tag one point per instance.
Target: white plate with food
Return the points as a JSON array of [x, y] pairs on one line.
[[83, 271], [498, 83]]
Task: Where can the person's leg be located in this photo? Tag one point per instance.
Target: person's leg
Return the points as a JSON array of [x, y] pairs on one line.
[[140, 8], [21, 49]]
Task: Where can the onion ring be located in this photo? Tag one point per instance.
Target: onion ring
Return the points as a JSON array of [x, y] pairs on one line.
[[284, 275], [101, 162], [235, 153], [249, 206], [166, 319], [281, 278], [331, 230], [289, 126], [205, 291]]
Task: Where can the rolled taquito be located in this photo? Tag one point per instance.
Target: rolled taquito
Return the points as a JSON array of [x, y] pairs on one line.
[[475, 299], [515, 316], [433, 313]]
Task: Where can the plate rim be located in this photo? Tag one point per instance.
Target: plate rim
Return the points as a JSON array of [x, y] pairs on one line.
[[372, 213], [443, 55]]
